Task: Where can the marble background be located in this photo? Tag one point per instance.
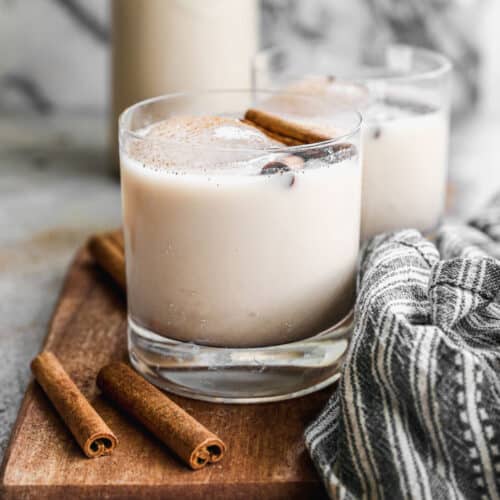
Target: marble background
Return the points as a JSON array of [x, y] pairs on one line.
[[54, 54]]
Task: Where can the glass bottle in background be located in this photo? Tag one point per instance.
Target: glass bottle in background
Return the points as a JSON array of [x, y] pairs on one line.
[[161, 46]]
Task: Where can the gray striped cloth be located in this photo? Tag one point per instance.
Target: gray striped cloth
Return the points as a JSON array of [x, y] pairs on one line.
[[417, 411]]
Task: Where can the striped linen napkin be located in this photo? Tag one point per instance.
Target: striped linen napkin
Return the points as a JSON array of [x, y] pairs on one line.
[[417, 410]]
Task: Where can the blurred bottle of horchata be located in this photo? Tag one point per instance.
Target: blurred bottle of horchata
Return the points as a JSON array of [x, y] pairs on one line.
[[164, 46]]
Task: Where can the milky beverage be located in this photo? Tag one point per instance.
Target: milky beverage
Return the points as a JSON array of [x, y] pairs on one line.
[[405, 151], [405, 159], [222, 250]]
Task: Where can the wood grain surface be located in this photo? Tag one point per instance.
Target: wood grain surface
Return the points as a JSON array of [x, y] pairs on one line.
[[266, 456]]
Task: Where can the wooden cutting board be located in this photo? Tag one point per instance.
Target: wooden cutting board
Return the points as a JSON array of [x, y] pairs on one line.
[[266, 456]]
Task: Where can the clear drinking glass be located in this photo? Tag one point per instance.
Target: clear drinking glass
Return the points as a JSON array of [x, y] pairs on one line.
[[240, 272], [403, 94]]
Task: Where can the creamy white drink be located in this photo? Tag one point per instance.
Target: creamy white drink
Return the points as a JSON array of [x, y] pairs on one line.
[[405, 153], [404, 168], [225, 248]]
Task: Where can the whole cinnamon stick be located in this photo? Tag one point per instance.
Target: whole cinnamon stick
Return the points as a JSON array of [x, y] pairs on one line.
[[279, 125], [184, 435], [107, 250], [88, 428]]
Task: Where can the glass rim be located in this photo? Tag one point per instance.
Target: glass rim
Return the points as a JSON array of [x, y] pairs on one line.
[[442, 62], [122, 128]]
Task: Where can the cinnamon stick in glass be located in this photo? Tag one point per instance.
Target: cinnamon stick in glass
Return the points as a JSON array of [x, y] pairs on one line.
[[184, 435], [292, 133], [279, 126], [88, 428]]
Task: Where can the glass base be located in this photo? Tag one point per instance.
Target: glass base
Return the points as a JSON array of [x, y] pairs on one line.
[[244, 375]]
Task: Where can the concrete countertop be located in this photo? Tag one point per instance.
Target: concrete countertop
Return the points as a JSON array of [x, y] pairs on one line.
[[55, 190]]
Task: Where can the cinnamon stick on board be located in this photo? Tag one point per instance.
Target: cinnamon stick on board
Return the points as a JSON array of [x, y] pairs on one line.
[[107, 250], [88, 428], [184, 435]]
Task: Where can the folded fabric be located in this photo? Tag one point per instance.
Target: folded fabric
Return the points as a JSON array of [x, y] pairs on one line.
[[417, 411]]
